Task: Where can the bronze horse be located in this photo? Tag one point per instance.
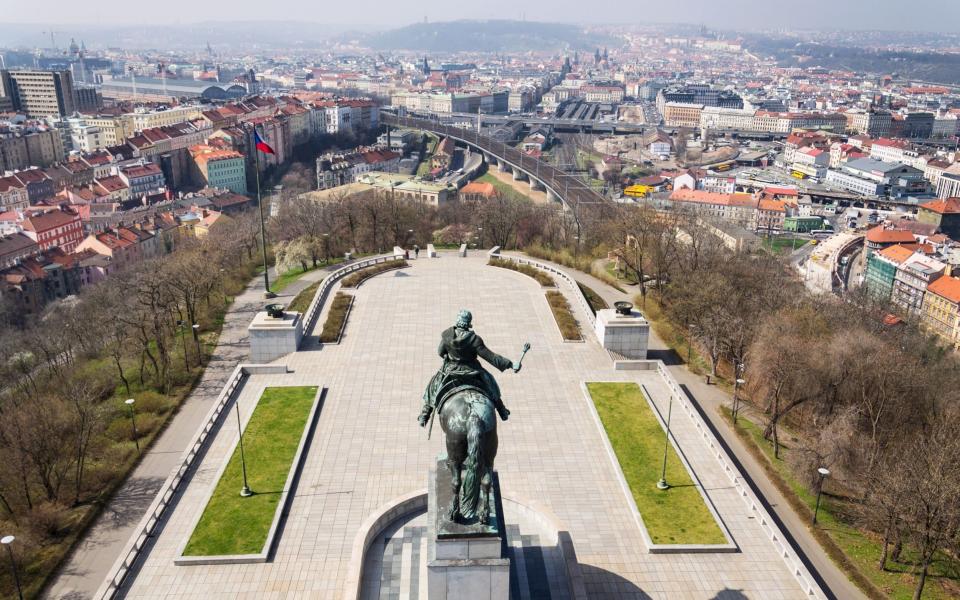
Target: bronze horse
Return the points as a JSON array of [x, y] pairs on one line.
[[469, 423]]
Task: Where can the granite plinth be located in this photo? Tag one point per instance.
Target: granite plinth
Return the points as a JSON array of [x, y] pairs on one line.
[[626, 335], [271, 338], [464, 561]]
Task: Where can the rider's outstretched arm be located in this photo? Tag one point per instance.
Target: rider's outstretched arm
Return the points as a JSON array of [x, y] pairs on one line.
[[502, 363]]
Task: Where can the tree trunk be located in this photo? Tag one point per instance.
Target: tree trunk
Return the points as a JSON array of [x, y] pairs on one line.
[[123, 378], [883, 552], [922, 580]]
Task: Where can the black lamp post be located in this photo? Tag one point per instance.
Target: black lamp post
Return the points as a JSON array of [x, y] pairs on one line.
[[7, 541], [133, 422], [824, 473], [245, 490]]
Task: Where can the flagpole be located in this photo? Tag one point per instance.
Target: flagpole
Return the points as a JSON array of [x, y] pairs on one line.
[[263, 230]]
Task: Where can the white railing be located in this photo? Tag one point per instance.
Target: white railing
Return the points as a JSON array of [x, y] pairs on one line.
[[757, 509], [316, 305], [158, 508], [570, 281]]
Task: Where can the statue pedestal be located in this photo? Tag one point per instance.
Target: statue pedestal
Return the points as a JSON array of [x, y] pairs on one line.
[[271, 338], [625, 335], [464, 561]]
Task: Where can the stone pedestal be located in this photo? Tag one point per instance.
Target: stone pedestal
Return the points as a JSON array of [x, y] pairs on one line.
[[464, 562], [625, 335], [272, 338]]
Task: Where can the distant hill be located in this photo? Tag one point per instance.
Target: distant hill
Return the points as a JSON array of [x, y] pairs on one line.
[[486, 36], [925, 66]]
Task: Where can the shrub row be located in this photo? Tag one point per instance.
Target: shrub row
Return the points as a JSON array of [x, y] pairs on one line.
[[339, 309], [542, 278], [593, 298], [355, 279], [569, 328], [583, 263]]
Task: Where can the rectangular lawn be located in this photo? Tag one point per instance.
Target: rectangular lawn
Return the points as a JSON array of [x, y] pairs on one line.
[[231, 524], [677, 515]]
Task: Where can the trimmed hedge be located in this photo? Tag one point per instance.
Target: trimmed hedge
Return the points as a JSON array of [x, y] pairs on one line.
[[569, 328], [355, 279], [336, 317], [542, 278], [593, 298]]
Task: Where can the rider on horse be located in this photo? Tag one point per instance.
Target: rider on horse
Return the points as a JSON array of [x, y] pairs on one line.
[[460, 347]]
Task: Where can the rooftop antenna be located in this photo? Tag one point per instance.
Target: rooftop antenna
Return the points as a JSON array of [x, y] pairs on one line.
[[53, 43]]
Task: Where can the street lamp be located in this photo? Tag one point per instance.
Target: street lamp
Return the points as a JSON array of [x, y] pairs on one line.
[[183, 339], [662, 484], [7, 541], [196, 338], [245, 490], [824, 473], [133, 422], [736, 398]]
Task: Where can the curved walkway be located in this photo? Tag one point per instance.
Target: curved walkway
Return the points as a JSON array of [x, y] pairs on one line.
[[87, 566], [709, 399]]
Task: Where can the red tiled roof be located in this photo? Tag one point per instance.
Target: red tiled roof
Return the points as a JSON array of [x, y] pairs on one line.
[[883, 235], [946, 287], [896, 253], [943, 207]]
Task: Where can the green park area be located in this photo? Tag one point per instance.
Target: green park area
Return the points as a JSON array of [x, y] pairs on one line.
[[784, 244], [854, 549], [232, 524], [677, 515]]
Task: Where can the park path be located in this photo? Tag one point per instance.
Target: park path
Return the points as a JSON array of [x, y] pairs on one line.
[[709, 399], [87, 566]]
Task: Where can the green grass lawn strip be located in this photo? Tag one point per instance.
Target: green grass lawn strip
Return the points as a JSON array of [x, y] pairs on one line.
[[234, 525], [678, 515]]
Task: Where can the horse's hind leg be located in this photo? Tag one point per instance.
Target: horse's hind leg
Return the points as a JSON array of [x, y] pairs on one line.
[[453, 514], [484, 504]]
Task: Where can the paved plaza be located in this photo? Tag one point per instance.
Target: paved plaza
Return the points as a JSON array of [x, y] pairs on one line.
[[367, 450]]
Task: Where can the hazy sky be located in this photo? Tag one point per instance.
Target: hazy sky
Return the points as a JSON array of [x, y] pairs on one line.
[[934, 15]]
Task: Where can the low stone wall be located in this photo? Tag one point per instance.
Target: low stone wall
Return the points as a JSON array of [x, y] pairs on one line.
[[158, 508]]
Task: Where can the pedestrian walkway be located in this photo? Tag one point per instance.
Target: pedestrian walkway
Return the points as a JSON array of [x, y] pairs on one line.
[[367, 451], [92, 558]]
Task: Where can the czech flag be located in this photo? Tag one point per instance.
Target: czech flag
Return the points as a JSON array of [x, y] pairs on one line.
[[262, 146]]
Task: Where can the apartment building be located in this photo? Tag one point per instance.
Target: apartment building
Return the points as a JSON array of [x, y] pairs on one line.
[[911, 281], [941, 309], [39, 93]]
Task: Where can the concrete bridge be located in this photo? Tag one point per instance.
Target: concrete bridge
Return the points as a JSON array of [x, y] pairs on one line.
[[568, 189]]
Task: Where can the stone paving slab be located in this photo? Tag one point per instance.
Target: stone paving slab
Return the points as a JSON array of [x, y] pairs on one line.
[[368, 450]]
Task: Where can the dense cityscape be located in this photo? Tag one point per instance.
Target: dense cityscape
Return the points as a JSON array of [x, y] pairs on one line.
[[760, 225]]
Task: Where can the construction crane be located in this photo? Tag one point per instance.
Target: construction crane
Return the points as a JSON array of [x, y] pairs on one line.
[[53, 43]]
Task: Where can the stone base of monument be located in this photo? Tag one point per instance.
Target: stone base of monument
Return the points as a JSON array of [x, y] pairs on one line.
[[271, 337], [464, 561], [626, 335]]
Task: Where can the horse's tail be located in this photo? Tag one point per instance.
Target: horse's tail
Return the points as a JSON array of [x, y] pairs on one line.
[[472, 466]]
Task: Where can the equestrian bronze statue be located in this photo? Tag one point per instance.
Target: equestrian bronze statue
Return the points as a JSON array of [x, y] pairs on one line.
[[464, 396]]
